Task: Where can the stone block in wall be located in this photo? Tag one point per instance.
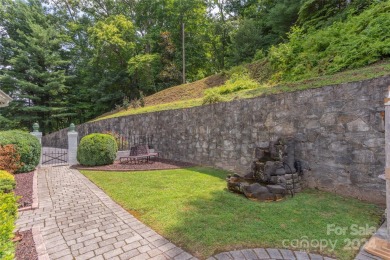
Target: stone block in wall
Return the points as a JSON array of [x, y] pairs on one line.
[[358, 125]]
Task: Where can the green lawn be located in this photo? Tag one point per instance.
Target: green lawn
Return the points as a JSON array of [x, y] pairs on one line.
[[192, 208]]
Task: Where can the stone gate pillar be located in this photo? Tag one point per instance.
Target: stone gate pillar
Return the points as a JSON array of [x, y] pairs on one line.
[[72, 145], [387, 149], [38, 135]]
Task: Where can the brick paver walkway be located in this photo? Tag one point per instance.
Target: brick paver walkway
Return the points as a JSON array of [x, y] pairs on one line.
[[79, 221], [267, 254]]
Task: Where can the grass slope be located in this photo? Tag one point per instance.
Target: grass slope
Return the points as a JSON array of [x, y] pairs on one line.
[[191, 95], [185, 92], [180, 96], [192, 208]]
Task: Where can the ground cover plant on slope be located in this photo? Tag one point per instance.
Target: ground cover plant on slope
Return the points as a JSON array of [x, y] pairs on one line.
[[192, 209], [376, 70], [357, 42]]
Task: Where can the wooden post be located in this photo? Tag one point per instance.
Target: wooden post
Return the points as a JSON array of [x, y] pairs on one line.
[[184, 53]]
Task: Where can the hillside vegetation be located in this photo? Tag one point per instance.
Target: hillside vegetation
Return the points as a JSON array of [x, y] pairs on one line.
[[162, 103], [68, 62], [353, 49]]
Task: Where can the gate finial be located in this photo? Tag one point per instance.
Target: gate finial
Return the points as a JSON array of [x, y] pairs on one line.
[[35, 127], [72, 127]]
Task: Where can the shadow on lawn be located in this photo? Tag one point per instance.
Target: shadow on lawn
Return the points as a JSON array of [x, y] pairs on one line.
[[225, 221], [221, 174]]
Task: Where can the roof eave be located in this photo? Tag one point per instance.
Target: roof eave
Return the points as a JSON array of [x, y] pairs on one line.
[[4, 99]]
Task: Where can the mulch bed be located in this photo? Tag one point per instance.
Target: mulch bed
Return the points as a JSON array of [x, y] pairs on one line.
[[24, 188], [25, 248], [155, 164]]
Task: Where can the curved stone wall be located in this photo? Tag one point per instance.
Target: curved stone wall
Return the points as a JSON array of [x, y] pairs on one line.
[[338, 133]]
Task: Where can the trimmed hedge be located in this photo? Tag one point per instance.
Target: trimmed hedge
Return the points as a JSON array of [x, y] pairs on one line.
[[8, 210], [7, 181], [97, 149], [26, 145]]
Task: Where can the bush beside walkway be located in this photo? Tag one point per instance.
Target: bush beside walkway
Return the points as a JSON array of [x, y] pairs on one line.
[[8, 213]]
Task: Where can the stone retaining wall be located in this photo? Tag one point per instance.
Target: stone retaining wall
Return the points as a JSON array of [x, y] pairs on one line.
[[338, 132]]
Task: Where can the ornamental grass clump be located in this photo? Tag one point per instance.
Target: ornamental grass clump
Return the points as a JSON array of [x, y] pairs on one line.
[[97, 149]]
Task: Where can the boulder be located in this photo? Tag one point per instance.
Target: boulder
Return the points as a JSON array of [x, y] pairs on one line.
[[276, 189], [248, 175], [255, 188], [264, 196], [259, 153], [280, 171], [258, 192], [271, 167]]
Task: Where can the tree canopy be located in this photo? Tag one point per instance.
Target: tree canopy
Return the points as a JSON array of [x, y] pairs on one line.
[[69, 61]]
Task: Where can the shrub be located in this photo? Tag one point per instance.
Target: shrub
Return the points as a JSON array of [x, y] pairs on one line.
[[237, 82], [260, 70], [141, 99], [211, 96], [8, 209], [9, 158], [97, 149], [27, 146], [359, 41], [126, 103], [7, 182], [135, 103]]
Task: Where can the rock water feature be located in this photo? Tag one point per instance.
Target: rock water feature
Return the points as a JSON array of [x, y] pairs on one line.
[[274, 174]]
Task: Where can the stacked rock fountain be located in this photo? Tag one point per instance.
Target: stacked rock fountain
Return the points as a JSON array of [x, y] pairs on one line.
[[274, 174]]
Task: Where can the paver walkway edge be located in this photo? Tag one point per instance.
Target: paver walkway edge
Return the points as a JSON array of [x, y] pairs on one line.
[[77, 220]]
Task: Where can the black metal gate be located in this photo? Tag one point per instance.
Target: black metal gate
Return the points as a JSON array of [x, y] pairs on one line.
[[54, 152], [128, 140]]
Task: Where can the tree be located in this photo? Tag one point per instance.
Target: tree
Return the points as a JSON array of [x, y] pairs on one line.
[[114, 43], [113, 40], [321, 13], [169, 73], [246, 40], [221, 24], [144, 69], [93, 53], [263, 28], [193, 13], [35, 72]]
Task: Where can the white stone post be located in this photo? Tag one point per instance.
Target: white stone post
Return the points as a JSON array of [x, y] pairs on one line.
[[387, 149], [38, 135], [72, 145]]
